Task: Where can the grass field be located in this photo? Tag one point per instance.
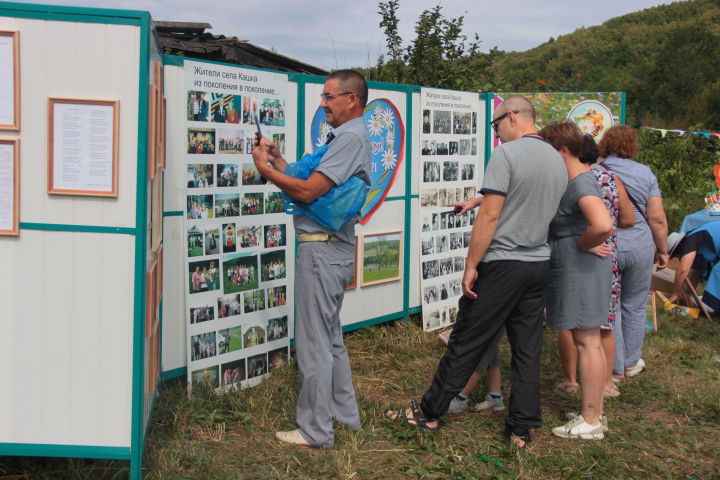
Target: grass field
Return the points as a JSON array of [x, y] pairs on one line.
[[195, 251], [376, 275], [665, 425]]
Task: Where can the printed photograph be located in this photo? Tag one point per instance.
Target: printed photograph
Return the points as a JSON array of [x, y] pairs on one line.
[[274, 203], [199, 175], [428, 198], [195, 242], [469, 193], [430, 294], [474, 122], [233, 372], [229, 305], [231, 141], [204, 276], [206, 376], [202, 346], [442, 148], [432, 320], [254, 336], [250, 175], [442, 244], [199, 207], [473, 146], [426, 121], [453, 148], [464, 146], [450, 171], [444, 295], [229, 240], [272, 112], [279, 140], [201, 141], [468, 171], [275, 235], [276, 296], [230, 340], [442, 197], [446, 266], [278, 357], [198, 106], [254, 301], [249, 237], [240, 273], [252, 204], [441, 121], [272, 265], [466, 238], [461, 123], [426, 222], [381, 256], [430, 269], [277, 328], [257, 365], [250, 108], [431, 172], [225, 108], [428, 246], [426, 148], [212, 240], [459, 263], [455, 288], [201, 314], [227, 205], [227, 175]]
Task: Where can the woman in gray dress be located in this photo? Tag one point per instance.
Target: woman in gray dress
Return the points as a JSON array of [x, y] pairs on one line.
[[580, 276]]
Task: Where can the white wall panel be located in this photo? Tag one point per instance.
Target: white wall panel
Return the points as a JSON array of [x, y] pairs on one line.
[[174, 171], [173, 331]]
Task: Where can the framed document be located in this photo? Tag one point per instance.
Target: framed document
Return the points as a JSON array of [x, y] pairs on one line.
[[83, 147], [9, 80], [10, 187]]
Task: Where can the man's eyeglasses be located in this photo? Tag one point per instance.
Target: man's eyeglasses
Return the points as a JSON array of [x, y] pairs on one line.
[[497, 121], [329, 96]]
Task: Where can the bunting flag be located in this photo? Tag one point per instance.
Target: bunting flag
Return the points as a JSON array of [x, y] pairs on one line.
[[664, 131]]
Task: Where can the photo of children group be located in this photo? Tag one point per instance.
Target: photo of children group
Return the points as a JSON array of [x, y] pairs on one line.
[[236, 232], [444, 235]]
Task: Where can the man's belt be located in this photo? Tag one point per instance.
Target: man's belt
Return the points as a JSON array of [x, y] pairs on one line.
[[317, 237]]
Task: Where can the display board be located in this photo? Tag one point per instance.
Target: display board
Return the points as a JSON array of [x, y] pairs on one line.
[[450, 154], [238, 238]]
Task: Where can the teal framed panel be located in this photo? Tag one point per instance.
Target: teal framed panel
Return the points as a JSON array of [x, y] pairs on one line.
[[488, 97], [74, 451], [174, 373], [402, 314], [73, 14], [57, 227]]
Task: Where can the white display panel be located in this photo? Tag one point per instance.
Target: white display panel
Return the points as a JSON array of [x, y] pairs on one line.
[[238, 240]]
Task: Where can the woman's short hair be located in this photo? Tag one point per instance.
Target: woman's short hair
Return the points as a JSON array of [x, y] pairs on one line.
[[590, 152], [564, 133], [620, 141]]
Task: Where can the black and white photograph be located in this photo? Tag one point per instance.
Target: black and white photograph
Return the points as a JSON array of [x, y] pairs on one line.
[[256, 366], [426, 222], [446, 266], [444, 294], [426, 148], [461, 123], [466, 239], [278, 357], [254, 301], [272, 265], [469, 193], [452, 315], [432, 320], [455, 287], [456, 241], [450, 171], [202, 346], [428, 246], [430, 269], [428, 198], [201, 314], [227, 175], [474, 123], [435, 225], [276, 296], [233, 372], [442, 244], [459, 263], [229, 305], [227, 205], [277, 328], [442, 197], [442, 121], [253, 336], [430, 294], [199, 175], [468, 172], [453, 148], [426, 121], [442, 148], [431, 172], [473, 146], [212, 240], [464, 146]]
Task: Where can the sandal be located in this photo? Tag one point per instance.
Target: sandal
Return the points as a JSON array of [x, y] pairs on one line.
[[611, 391], [418, 419], [567, 387]]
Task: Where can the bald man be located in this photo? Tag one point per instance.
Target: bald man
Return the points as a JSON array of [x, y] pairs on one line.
[[505, 273]]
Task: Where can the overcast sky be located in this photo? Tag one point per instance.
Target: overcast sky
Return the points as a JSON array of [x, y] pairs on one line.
[[338, 34]]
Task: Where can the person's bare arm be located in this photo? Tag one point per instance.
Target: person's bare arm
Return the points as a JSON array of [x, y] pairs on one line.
[[599, 222], [482, 234], [681, 274], [659, 228], [626, 217], [468, 205]]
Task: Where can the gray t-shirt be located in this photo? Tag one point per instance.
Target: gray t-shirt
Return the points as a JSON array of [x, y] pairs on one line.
[[348, 155], [532, 176], [641, 185]]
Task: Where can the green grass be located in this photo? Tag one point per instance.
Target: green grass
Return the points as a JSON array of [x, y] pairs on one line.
[[665, 425], [195, 251], [375, 275]]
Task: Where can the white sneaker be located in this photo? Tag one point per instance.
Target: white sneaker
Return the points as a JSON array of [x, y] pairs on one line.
[[603, 420], [579, 428], [639, 367], [457, 405], [293, 437], [490, 402]]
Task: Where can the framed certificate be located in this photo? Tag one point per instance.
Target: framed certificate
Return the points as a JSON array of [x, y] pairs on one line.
[[10, 187], [9, 80], [83, 147]]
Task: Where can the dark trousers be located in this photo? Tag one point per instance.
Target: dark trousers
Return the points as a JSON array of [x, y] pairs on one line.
[[511, 294]]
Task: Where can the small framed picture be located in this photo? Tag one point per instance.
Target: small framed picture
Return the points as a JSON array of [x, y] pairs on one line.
[[10, 91], [381, 258], [10, 187]]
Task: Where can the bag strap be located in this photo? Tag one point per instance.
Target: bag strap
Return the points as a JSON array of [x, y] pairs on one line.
[[632, 200]]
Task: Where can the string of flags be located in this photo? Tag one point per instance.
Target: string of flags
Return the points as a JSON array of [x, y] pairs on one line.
[[664, 131]]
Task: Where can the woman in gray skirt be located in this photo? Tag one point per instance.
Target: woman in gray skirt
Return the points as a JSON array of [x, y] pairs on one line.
[[580, 276]]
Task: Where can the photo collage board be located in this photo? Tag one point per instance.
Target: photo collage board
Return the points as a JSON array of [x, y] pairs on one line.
[[237, 283], [450, 149]]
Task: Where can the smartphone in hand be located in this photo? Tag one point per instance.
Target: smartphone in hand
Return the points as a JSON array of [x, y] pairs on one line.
[[258, 137]]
